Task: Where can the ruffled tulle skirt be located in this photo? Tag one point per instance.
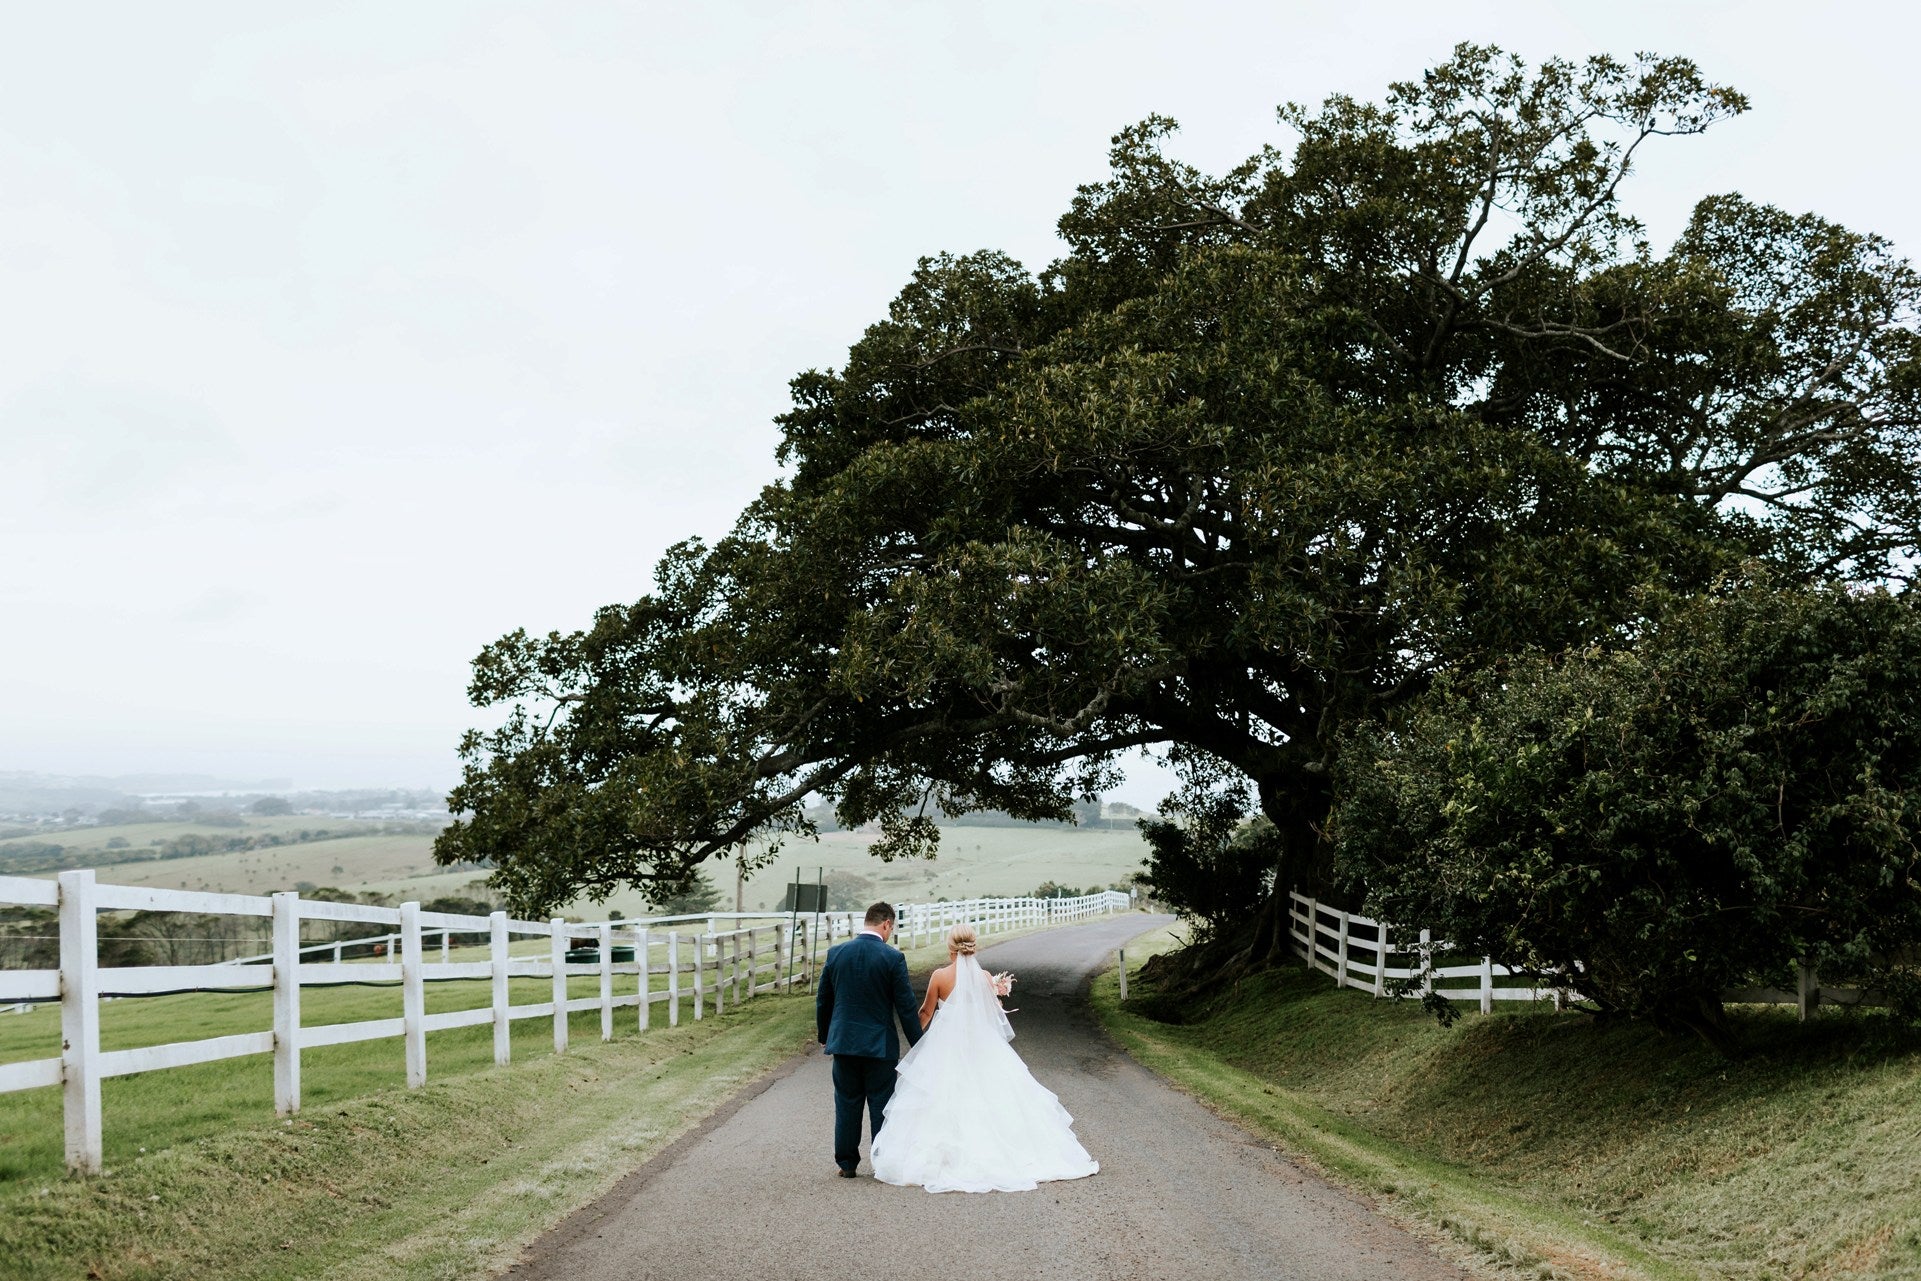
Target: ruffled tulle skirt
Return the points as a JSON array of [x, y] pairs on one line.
[[967, 1116]]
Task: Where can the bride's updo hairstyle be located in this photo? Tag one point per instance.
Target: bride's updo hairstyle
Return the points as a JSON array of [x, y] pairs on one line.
[[960, 940]]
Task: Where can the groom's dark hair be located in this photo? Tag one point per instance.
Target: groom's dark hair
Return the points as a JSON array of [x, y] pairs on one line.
[[880, 913]]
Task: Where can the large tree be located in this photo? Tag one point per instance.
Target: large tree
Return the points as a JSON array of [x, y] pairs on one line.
[[1255, 461]]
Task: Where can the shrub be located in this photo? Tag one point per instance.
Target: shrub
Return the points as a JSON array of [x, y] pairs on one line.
[[1737, 792], [1209, 862]]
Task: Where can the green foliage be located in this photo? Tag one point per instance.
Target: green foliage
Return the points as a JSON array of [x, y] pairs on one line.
[[271, 805], [29, 938], [460, 905], [1208, 861], [1258, 460], [699, 895], [1730, 796], [22, 856]]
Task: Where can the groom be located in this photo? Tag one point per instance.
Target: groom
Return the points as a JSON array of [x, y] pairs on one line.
[[863, 989]]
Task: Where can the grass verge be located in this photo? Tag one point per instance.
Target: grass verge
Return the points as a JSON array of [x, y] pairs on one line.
[[1551, 1146], [370, 1180], [448, 1181]]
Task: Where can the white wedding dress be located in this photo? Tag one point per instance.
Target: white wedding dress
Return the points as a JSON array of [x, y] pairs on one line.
[[966, 1115]]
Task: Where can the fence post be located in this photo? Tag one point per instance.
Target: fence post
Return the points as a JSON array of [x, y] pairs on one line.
[[80, 1020], [673, 979], [497, 953], [286, 1003], [413, 996], [646, 979], [1487, 985], [1340, 953], [557, 949], [336, 952], [720, 974], [1382, 947], [1427, 963], [753, 960], [443, 946], [700, 976], [1123, 970], [606, 940], [1313, 933], [1808, 991]]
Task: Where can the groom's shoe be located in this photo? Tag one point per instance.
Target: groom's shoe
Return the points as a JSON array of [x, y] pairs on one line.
[[846, 1173]]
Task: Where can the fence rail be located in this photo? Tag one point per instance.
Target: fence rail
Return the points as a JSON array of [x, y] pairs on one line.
[[1360, 952], [759, 954]]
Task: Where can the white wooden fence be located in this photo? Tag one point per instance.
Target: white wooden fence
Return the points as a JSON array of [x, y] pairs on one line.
[[722, 964], [1358, 951]]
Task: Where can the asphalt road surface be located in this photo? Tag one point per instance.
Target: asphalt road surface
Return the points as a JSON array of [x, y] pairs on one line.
[[753, 1192]]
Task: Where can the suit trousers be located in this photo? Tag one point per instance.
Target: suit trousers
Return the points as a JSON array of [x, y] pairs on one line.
[[858, 1082]]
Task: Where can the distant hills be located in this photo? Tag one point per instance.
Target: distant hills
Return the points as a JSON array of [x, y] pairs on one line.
[[32, 800]]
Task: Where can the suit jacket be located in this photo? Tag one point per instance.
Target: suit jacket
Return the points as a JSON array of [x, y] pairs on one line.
[[863, 987]]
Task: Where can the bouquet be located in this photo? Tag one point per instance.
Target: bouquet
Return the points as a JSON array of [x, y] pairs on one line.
[[1003, 983]]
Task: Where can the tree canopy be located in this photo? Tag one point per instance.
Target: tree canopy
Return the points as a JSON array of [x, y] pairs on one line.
[[1257, 460]]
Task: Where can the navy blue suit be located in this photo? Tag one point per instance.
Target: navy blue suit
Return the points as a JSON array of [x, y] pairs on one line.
[[863, 988]]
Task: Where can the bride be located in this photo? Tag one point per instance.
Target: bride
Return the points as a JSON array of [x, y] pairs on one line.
[[966, 1115]]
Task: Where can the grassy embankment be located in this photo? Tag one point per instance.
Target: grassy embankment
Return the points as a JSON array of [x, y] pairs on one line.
[[371, 1180], [1549, 1145]]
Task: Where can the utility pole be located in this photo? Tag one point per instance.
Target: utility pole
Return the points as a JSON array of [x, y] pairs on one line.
[[740, 882]]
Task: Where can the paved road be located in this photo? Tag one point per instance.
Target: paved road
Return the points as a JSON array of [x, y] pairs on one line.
[[753, 1193]]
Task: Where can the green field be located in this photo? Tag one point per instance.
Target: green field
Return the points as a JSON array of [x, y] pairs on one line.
[[973, 862], [348, 862], [1552, 1146], [448, 1181], [355, 852], [156, 1109], [444, 1183]]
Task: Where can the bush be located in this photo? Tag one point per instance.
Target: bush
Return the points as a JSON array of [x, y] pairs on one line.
[[1210, 862], [1737, 793], [459, 905], [698, 895]]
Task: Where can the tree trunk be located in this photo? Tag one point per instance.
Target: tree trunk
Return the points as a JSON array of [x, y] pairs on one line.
[[1297, 804], [1707, 1018]]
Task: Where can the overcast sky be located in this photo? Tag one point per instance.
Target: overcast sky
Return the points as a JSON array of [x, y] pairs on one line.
[[341, 339]]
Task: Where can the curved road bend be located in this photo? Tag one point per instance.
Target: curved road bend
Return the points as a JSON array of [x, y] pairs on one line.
[[753, 1192]]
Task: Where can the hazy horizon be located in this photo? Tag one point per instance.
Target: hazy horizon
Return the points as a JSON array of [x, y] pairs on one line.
[[343, 341]]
